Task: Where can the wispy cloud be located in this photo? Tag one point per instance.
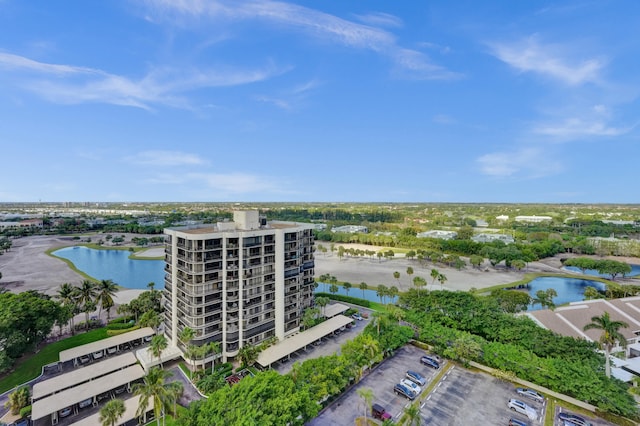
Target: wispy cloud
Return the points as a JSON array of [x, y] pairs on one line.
[[551, 60], [224, 184], [592, 122], [290, 99], [311, 22], [71, 84], [380, 19], [523, 163], [443, 119], [166, 158]]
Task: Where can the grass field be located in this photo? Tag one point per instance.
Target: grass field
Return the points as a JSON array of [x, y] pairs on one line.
[[30, 366]]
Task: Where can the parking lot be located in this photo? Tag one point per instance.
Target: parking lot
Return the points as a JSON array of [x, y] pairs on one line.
[[461, 397], [381, 381]]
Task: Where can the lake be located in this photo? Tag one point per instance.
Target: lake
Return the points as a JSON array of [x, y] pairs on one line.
[[115, 265], [369, 295], [568, 289]]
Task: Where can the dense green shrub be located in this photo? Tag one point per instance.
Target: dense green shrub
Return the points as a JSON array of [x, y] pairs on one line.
[[348, 299]]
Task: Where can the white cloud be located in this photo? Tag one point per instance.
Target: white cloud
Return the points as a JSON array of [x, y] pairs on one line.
[[524, 163], [166, 86], [311, 22], [594, 121], [443, 119], [572, 128], [550, 60], [380, 19], [166, 158], [290, 99]]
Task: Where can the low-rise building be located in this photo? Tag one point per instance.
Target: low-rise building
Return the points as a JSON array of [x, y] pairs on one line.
[[533, 219], [442, 235], [351, 229], [487, 238]]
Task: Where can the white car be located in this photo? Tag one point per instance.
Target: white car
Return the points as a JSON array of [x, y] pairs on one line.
[[411, 385], [522, 408], [97, 354]]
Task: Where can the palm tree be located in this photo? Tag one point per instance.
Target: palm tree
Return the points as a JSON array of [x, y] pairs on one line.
[[419, 282], [248, 354], [367, 396], [176, 389], [413, 413], [106, 289], [347, 286], [87, 294], [442, 278], [213, 349], [67, 295], [185, 337], [158, 344], [111, 412], [363, 286], [393, 292], [396, 275], [154, 387], [610, 335], [409, 271], [434, 276], [150, 319], [322, 302]]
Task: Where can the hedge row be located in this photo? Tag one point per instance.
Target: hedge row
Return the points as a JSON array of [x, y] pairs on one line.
[[348, 299], [120, 326]]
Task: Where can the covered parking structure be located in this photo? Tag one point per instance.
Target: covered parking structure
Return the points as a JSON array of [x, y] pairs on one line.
[[130, 413], [301, 340], [51, 405], [82, 375], [118, 341], [334, 309]]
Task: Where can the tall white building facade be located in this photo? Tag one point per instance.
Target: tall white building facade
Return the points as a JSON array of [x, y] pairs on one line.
[[238, 282]]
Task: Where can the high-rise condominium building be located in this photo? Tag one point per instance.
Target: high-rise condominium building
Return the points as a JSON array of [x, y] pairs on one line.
[[238, 282]]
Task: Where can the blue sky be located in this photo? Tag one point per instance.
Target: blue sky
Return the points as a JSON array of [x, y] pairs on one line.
[[397, 101]]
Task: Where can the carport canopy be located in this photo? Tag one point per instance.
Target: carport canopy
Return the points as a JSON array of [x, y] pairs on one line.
[[100, 345], [334, 309], [82, 375], [130, 410], [58, 401], [300, 340]]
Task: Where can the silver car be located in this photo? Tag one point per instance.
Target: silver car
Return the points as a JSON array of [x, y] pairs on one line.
[[530, 393]]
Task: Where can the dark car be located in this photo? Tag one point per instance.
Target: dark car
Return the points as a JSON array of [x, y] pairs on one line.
[[378, 412], [516, 422], [573, 420], [429, 362], [401, 389]]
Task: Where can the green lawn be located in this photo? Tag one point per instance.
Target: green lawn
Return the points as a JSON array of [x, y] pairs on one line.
[[30, 366]]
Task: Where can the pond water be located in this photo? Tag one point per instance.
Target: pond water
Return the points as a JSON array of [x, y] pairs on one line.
[[369, 295], [635, 271], [568, 289], [115, 265]]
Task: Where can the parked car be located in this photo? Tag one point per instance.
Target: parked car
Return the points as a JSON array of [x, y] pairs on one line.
[[573, 420], [357, 316], [86, 403], [523, 408], [21, 422], [378, 412], [411, 385], [84, 359], [103, 395], [429, 362], [65, 412], [147, 339], [125, 346], [120, 390], [516, 422], [531, 394], [400, 389], [416, 377], [112, 350], [97, 354]]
